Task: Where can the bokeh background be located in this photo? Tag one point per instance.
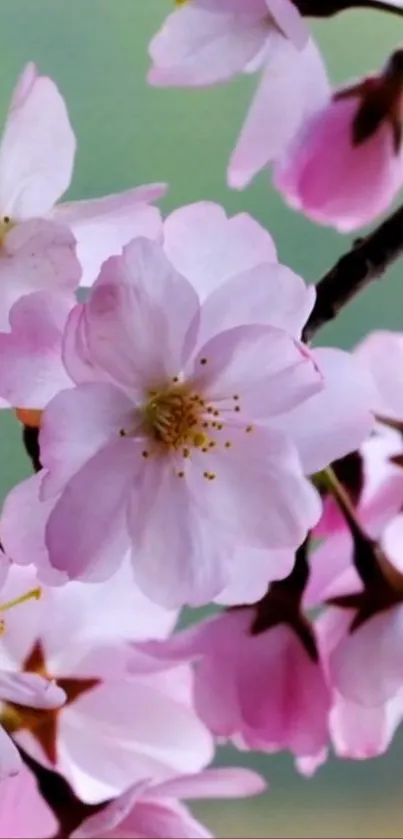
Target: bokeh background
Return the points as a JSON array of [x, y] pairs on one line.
[[130, 134]]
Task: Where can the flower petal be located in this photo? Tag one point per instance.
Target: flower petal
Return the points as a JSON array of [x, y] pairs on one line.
[[86, 534], [336, 420], [102, 226], [33, 819], [30, 690], [76, 424], [136, 297], [176, 558], [293, 83], [259, 495], [36, 255], [26, 544], [197, 47], [270, 295], [290, 21], [212, 783], [37, 149], [209, 248], [376, 352], [10, 760], [367, 666], [266, 370], [31, 367]]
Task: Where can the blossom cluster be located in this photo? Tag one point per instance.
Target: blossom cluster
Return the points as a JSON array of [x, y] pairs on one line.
[[191, 449]]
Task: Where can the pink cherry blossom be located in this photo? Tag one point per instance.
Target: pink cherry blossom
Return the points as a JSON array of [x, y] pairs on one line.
[[148, 809], [23, 812], [36, 163], [363, 639], [356, 731], [210, 250], [376, 351], [344, 167], [322, 426], [262, 690], [116, 727], [161, 497], [205, 43]]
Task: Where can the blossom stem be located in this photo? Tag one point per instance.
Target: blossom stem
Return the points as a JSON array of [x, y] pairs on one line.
[[368, 260]]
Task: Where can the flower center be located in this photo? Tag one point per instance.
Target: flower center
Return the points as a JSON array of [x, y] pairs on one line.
[[174, 417]]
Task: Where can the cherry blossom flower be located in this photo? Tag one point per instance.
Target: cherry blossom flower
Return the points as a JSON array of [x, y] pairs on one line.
[[357, 732], [27, 690], [376, 351], [364, 585], [204, 43], [23, 812], [168, 418], [271, 304], [116, 727], [345, 165], [36, 163], [264, 690], [148, 809]]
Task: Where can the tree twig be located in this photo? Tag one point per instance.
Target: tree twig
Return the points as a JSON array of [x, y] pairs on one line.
[[367, 261], [328, 8]]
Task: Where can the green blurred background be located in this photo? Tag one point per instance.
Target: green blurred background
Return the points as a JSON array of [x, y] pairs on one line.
[[130, 134]]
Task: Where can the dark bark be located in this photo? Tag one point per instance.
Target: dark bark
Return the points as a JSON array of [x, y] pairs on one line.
[[367, 261]]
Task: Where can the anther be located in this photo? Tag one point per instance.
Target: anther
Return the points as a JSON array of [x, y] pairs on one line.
[[235, 397], [237, 409], [249, 428], [145, 453], [180, 474], [228, 444], [203, 361], [216, 413], [186, 453]]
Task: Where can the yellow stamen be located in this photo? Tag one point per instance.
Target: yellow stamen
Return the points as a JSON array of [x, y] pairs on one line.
[[34, 594], [6, 224]]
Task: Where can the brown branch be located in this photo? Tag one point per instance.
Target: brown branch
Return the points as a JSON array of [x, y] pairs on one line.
[[328, 8], [367, 261]]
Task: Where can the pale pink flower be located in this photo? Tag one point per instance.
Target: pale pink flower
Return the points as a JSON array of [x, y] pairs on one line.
[[380, 501], [363, 640], [345, 165], [356, 731], [262, 689], [210, 250], [174, 434], [23, 812], [36, 165], [116, 364], [149, 809], [205, 42], [376, 351], [116, 727]]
